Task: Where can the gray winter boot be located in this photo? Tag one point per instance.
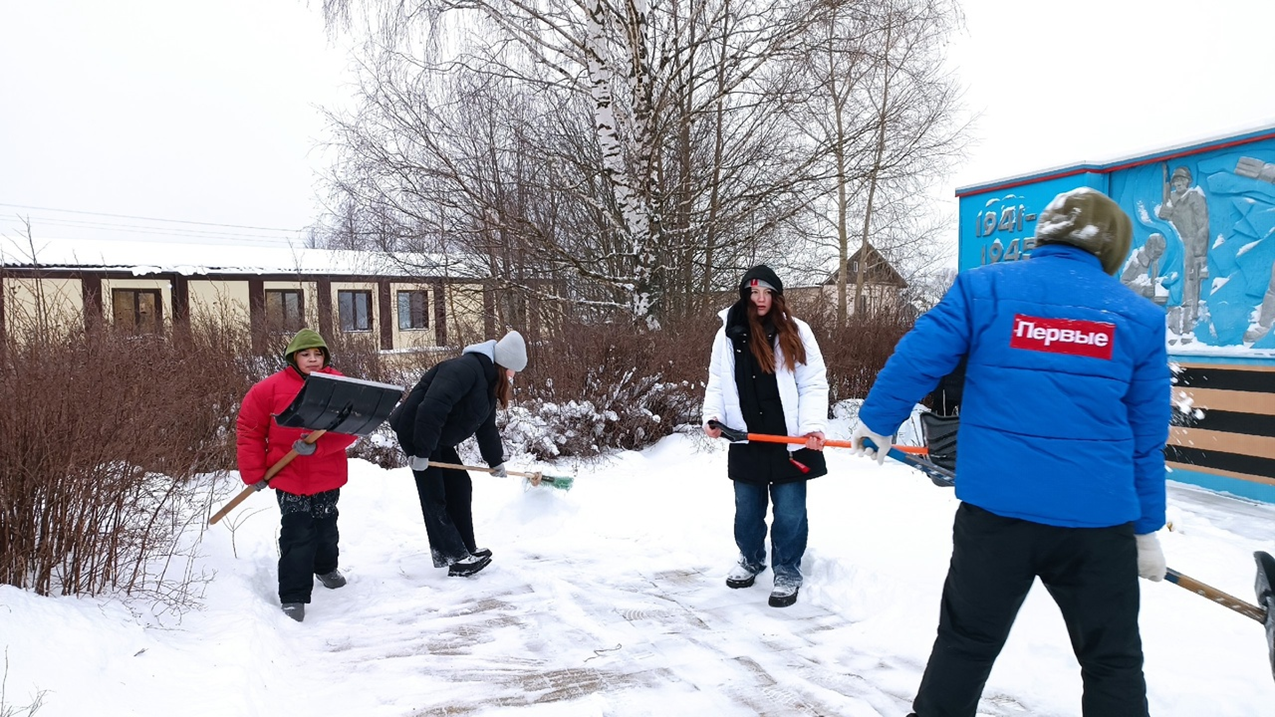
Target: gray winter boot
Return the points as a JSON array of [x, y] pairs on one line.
[[294, 610], [332, 580]]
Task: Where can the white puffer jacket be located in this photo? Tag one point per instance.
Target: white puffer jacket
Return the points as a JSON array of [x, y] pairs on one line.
[[803, 392]]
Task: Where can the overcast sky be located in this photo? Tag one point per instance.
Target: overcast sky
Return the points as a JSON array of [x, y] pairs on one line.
[[208, 111]]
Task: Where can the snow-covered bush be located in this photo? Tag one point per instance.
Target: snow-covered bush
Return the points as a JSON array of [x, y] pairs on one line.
[[605, 387]]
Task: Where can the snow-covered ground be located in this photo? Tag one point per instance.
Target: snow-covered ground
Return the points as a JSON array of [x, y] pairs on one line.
[[609, 600]]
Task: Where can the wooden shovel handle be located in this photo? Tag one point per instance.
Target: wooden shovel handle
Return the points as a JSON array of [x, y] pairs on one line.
[[271, 473], [243, 495], [459, 467], [1244, 608]]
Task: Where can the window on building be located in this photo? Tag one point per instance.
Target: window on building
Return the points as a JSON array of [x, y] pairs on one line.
[[413, 310], [138, 311], [355, 308], [284, 310]]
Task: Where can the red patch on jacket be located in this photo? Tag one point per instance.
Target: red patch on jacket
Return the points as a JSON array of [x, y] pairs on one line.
[[1094, 339]]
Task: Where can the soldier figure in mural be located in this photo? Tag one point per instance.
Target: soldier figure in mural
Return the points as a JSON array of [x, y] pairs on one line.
[[1265, 313], [1254, 168], [1142, 271], [1185, 207]]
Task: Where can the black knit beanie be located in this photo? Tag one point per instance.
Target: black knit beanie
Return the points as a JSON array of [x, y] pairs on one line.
[[760, 275]]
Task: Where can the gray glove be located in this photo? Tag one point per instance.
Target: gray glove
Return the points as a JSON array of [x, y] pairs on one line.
[[499, 471], [418, 463], [304, 449]]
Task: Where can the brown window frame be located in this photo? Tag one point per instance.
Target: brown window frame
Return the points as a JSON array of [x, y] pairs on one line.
[[136, 327], [340, 311], [284, 324], [413, 312]]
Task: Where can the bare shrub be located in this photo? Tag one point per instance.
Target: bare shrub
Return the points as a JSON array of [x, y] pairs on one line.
[[103, 434], [857, 351], [608, 386]]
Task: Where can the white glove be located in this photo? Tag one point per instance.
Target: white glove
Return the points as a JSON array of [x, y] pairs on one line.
[[499, 471], [1151, 563], [418, 463], [861, 432]]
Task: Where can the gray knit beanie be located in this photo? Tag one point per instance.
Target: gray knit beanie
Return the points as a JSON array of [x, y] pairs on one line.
[[1089, 219], [511, 351]]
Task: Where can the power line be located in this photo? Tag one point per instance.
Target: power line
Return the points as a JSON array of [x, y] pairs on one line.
[[149, 219], [165, 231]]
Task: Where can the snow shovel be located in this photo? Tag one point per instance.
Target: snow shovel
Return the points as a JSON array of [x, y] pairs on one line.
[[534, 478], [259, 485], [940, 476], [327, 403], [1264, 585]]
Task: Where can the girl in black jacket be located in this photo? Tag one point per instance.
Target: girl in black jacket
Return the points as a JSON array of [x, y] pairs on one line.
[[454, 400]]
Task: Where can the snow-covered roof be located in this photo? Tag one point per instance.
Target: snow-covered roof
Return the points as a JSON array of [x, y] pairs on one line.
[[153, 257]]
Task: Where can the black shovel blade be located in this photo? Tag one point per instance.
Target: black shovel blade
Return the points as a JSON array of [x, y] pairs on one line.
[[1265, 586], [938, 475], [340, 404]]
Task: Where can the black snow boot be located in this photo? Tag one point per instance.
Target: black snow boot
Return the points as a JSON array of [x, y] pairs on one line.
[[784, 594], [742, 575], [294, 610], [468, 566]]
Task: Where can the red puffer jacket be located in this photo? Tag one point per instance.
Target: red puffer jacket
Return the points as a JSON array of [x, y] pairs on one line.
[[261, 441]]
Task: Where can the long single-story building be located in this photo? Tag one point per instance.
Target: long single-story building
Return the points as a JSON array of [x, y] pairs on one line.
[[400, 303]]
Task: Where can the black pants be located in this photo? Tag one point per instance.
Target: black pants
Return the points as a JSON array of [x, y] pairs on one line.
[[447, 497], [1092, 574], [307, 541]]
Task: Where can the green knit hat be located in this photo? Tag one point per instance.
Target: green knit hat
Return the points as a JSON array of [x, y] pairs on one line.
[[307, 339], [1088, 219]]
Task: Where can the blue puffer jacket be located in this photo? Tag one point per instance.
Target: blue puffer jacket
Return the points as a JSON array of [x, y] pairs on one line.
[[1067, 394]]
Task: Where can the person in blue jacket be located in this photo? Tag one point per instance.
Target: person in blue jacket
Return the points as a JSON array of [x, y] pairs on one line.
[[1064, 417]]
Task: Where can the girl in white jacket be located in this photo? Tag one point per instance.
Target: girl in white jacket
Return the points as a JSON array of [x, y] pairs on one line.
[[767, 376]]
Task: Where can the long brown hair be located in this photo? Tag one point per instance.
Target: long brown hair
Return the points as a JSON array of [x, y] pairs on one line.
[[785, 330], [503, 388]]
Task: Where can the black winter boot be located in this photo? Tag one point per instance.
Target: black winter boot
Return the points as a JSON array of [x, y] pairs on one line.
[[468, 566], [784, 594]]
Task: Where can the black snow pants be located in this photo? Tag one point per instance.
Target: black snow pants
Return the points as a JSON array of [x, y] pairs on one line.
[[447, 497], [307, 541], [1091, 573]]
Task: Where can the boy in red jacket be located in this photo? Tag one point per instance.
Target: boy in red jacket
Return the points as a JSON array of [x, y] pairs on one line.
[[308, 487]]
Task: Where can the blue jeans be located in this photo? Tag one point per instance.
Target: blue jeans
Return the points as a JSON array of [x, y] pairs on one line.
[[788, 532]]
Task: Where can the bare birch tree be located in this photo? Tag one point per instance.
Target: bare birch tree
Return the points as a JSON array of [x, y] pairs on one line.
[[677, 120], [885, 109]]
